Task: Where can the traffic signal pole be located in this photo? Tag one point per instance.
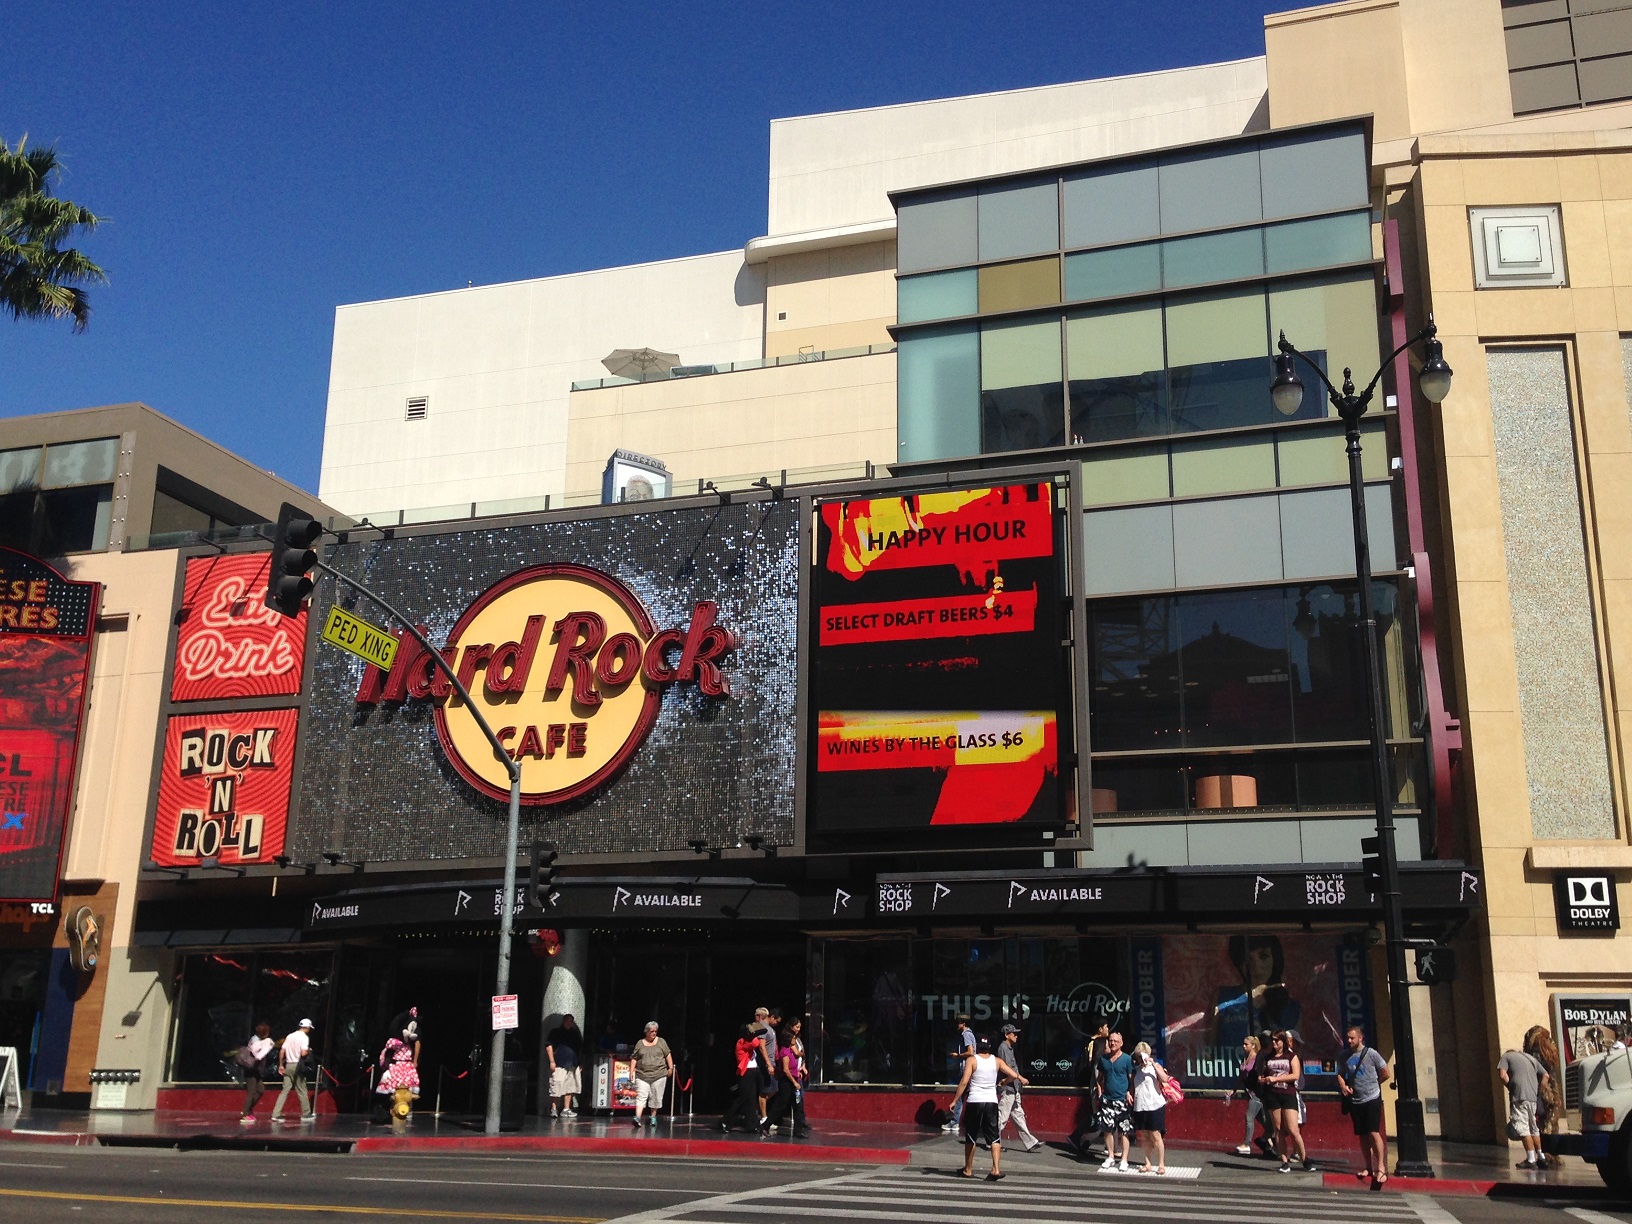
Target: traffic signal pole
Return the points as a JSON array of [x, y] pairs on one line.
[[292, 556]]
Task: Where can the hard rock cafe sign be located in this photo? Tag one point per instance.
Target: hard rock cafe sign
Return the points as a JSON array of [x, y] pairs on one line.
[[569, 670]]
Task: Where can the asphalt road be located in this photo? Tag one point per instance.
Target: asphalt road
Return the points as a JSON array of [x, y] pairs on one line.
[[40, 1183]]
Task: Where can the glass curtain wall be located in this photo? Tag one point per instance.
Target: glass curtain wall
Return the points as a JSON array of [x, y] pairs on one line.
[[224, 995], [1192, 264]]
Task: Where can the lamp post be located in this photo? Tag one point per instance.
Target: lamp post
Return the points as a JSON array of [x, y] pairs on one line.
[[1286, 392]]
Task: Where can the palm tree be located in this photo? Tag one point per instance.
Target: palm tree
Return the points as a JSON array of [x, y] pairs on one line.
[[39, 277]]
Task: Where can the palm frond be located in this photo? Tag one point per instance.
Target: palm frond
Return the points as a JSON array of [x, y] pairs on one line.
[[40, 278]]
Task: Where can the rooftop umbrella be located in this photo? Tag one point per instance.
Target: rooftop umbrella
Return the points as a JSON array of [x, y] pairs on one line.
[[639, 364]]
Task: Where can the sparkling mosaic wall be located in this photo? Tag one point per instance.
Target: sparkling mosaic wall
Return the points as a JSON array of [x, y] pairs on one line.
[[1560, 695], [375, 784]]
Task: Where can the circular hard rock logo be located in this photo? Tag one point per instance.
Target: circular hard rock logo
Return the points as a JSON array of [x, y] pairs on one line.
[[567, 668]]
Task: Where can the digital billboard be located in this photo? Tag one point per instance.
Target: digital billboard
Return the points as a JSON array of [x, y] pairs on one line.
[[228, 642], [46, 626], [938, 678]]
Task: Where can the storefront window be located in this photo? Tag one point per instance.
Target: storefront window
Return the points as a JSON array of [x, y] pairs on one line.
[[890, 1006], [1213, 990], [224, 995]]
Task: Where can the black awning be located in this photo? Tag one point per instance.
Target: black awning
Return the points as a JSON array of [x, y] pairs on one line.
[[574, 901]]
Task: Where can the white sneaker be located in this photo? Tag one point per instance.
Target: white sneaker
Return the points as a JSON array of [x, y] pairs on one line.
[[1122, 1165], [1109, 1161], [246, 1120], [554, 1113], [569, 1113]]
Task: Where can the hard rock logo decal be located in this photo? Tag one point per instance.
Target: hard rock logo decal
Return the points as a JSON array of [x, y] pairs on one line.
[[569, 670]]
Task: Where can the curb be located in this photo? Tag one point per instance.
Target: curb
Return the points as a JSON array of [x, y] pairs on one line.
[[1462, 1186], [692, 1149], [56, 1138]]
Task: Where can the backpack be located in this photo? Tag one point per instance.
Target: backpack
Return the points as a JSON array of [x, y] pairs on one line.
[[1173, 1090]]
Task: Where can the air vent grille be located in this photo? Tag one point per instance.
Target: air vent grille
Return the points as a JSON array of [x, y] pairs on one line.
[[418, 406]]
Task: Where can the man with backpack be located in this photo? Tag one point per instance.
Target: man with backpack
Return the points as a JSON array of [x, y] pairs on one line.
[[1361, 1083]]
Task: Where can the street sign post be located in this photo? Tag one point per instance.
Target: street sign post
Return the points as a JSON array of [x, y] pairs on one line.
[[506, 1012], [355, 635]]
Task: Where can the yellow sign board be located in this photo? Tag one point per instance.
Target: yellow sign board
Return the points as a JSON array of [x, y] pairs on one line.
[[354, 634]]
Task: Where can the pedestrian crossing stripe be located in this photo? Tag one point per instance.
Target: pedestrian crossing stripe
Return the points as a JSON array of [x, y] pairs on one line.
[[1174, 1172]]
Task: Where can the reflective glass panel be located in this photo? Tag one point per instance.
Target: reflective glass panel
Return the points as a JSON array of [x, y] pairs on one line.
[[1134, 702], [19, 469], [935, 232], [1235, 255], [1021, 397], [1235, 667], [1111, 206], [938, 394], [939, 295], [1296, 246], [1333, 319], [77, 463], [1016, 286], [1303, 175], [1118, 388], [1218, 365], [1210, 189], [1224, 465], [1019, 220], [1126, 474], [1113, 272]]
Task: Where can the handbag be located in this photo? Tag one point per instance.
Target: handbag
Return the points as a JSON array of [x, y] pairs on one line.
[[1173, 1090], [245, 1058]]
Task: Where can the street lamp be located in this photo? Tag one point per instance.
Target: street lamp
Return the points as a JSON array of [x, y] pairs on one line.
[[1286, 392]]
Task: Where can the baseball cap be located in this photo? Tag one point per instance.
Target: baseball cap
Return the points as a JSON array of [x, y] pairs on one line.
[[306, 1024], [983, 1044], [1009, 1028]]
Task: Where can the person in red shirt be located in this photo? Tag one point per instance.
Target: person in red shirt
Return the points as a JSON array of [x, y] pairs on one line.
[[744, 1109]]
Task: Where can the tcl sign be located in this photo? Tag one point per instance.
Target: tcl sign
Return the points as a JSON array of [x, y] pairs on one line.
[[567, 667]]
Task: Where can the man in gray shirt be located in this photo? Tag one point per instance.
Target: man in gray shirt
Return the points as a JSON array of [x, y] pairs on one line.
[[1364, 1073], [1524, 1077]]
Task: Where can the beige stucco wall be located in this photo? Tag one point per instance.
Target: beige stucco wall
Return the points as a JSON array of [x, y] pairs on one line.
[[799, 417], [842, 297], [1590, 177], [115, 772], [1416, 65]]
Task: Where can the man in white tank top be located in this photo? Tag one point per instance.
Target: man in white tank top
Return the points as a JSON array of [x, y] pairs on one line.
[[978, 1091]]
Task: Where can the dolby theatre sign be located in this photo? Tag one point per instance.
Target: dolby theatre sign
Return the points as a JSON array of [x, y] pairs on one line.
[[568, 669]]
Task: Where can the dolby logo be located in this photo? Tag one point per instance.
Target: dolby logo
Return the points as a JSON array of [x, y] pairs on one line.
[[1586, 901]]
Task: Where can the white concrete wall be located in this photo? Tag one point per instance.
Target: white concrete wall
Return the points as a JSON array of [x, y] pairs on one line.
[[497, 363], [835, 169]]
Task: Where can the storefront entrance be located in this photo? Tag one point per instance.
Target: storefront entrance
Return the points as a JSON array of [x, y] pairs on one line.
[[700, 986]]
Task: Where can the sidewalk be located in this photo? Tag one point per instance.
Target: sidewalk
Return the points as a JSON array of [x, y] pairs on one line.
[[1464, 1169]]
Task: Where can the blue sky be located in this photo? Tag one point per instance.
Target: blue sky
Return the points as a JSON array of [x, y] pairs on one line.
[[259, 165]]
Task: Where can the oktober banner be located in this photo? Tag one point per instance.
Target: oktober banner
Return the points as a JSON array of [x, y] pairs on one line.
[[938, 677]]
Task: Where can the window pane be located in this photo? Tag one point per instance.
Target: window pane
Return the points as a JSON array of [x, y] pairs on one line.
[[1129, 549], [940, 295], [1135, 699], [1021, 400], [214, 1016], [1320, 455], [1236, 669], [1299, 245], [1333, 316], [868, 1034], [1213, 257], [937, 232], [1223, 466], [76, 463], [1141, 786], [171, 514], [1112, 206], [1232, 540], [1218, 365], [1128, 474], [1118, 389], [938, 394], [1036, 282], [19, 469], [1328, 661], [1020, 220], [76, 520], [1301, 175], [1208, 190], [1113, 272]]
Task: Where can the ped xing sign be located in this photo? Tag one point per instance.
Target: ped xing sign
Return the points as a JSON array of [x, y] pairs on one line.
[[353, 634]]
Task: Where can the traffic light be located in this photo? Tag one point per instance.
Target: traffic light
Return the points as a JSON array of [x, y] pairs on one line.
[[541, 875], [287, 582], [1436, 965], [1371, 850]]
